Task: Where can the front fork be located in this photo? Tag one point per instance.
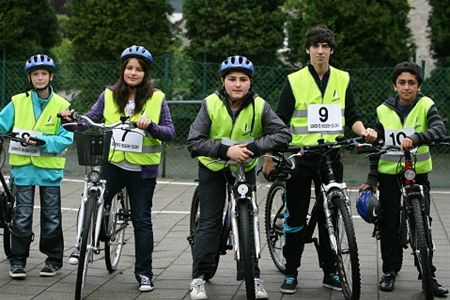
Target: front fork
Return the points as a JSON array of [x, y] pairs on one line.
[[329, 192], [234, 222]]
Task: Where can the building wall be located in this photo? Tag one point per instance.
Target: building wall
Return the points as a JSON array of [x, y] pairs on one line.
[[418, 16]]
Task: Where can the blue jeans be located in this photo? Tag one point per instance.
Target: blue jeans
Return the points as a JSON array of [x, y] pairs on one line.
[[140, 192], [52, 241]]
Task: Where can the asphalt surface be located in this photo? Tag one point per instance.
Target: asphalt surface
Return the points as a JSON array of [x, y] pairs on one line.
[[172, 258]]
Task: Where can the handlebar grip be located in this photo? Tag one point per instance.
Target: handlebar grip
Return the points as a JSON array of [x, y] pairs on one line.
[[38, 141]]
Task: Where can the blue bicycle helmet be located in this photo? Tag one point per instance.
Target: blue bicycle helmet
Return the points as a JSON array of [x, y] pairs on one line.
[[236, 62], [40, 61], [138, 52], [368, 206]]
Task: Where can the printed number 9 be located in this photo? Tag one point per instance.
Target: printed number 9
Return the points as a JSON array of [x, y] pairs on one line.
[[323, 113]]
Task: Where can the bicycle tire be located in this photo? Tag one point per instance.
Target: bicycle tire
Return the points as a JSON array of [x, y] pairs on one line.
[[247, 246], [347, 248], [116, 224], [274, 224], [194, 217], [420, 247], [86, 240]]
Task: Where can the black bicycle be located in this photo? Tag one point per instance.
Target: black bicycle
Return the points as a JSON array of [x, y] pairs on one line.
[[415, 228], [240, 227], [337, 209], [7, 198]]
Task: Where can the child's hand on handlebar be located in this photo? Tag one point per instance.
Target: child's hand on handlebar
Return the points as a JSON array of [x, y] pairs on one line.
[[407, 144], [239, 153], [143, 123], [67, 115], [268, 166], [369, 134]]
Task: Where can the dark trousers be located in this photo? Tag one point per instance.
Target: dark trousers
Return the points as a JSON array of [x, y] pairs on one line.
[[51, 235], [298, 196], [140, 192], [389, 225], [212, 193]]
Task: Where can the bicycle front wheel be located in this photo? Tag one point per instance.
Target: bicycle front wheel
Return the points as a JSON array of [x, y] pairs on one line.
[[86, 248], [421, 251], [116, 223], [347, 249], [274, 223], [247, 246]]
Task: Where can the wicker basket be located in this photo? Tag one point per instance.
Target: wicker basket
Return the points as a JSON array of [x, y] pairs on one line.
[[93, 147]]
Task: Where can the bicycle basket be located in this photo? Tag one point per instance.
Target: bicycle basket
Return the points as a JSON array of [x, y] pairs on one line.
[[93, 147]]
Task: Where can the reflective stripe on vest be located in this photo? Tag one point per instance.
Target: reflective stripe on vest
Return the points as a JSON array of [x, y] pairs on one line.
[[417, 119], [47, 124], [307, 92], [223, 130], [151, 148]]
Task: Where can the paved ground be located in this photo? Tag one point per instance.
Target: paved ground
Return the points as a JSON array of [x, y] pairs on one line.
[[172, 259]]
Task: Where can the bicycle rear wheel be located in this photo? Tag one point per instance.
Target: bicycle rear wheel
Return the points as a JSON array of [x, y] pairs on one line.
[[274, 223], [247, 245], [209, 271], [421, 251], [347, 249], [116, 224], [86, 248]]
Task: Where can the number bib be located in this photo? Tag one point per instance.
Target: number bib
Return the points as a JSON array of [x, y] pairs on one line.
[[324, 117], [127, 141], [22, 148], [396, 137]]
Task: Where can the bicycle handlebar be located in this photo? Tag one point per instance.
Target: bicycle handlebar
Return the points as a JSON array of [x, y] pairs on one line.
[[79, 118], [24, 140]]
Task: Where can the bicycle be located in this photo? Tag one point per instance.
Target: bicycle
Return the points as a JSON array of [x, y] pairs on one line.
[[96, 224], [337, 209], [415, 223], [7, 198], [240, 226]]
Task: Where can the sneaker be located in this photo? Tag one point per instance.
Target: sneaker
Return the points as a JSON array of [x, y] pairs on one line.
[[387, 282], [17, 271], [332, 281], [50, 270], [198, 289], [260, 292], [145, 284], [289, 285], [74, 257], [438, 290]]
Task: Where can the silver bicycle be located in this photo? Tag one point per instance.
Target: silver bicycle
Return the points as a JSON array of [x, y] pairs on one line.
[[94, 223]]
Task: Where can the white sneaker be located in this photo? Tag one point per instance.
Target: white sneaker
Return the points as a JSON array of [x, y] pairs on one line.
[[260, 292], [73, 258], [198, 289]]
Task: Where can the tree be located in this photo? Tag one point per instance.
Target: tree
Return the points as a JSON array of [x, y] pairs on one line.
[[102, 29], [368, 33], [217, 29], [27, 27], [440, 35]]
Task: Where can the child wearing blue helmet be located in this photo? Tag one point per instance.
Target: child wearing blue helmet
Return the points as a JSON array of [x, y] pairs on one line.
[[233, 112], [134, 96], [33, 114]]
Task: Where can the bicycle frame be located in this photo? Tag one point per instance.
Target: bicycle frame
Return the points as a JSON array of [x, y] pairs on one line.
[[242, 191], [89, 187]]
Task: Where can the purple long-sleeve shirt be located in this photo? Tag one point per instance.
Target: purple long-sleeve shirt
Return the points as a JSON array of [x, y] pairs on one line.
[[163, 131]]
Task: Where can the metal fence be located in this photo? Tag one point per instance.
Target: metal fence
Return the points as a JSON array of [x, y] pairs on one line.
[[183, 79]]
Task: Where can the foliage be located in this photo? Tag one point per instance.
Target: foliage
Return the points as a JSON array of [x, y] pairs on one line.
[[368, 33], [27, 27], [438, 22], [102, 29], [217, 29]]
